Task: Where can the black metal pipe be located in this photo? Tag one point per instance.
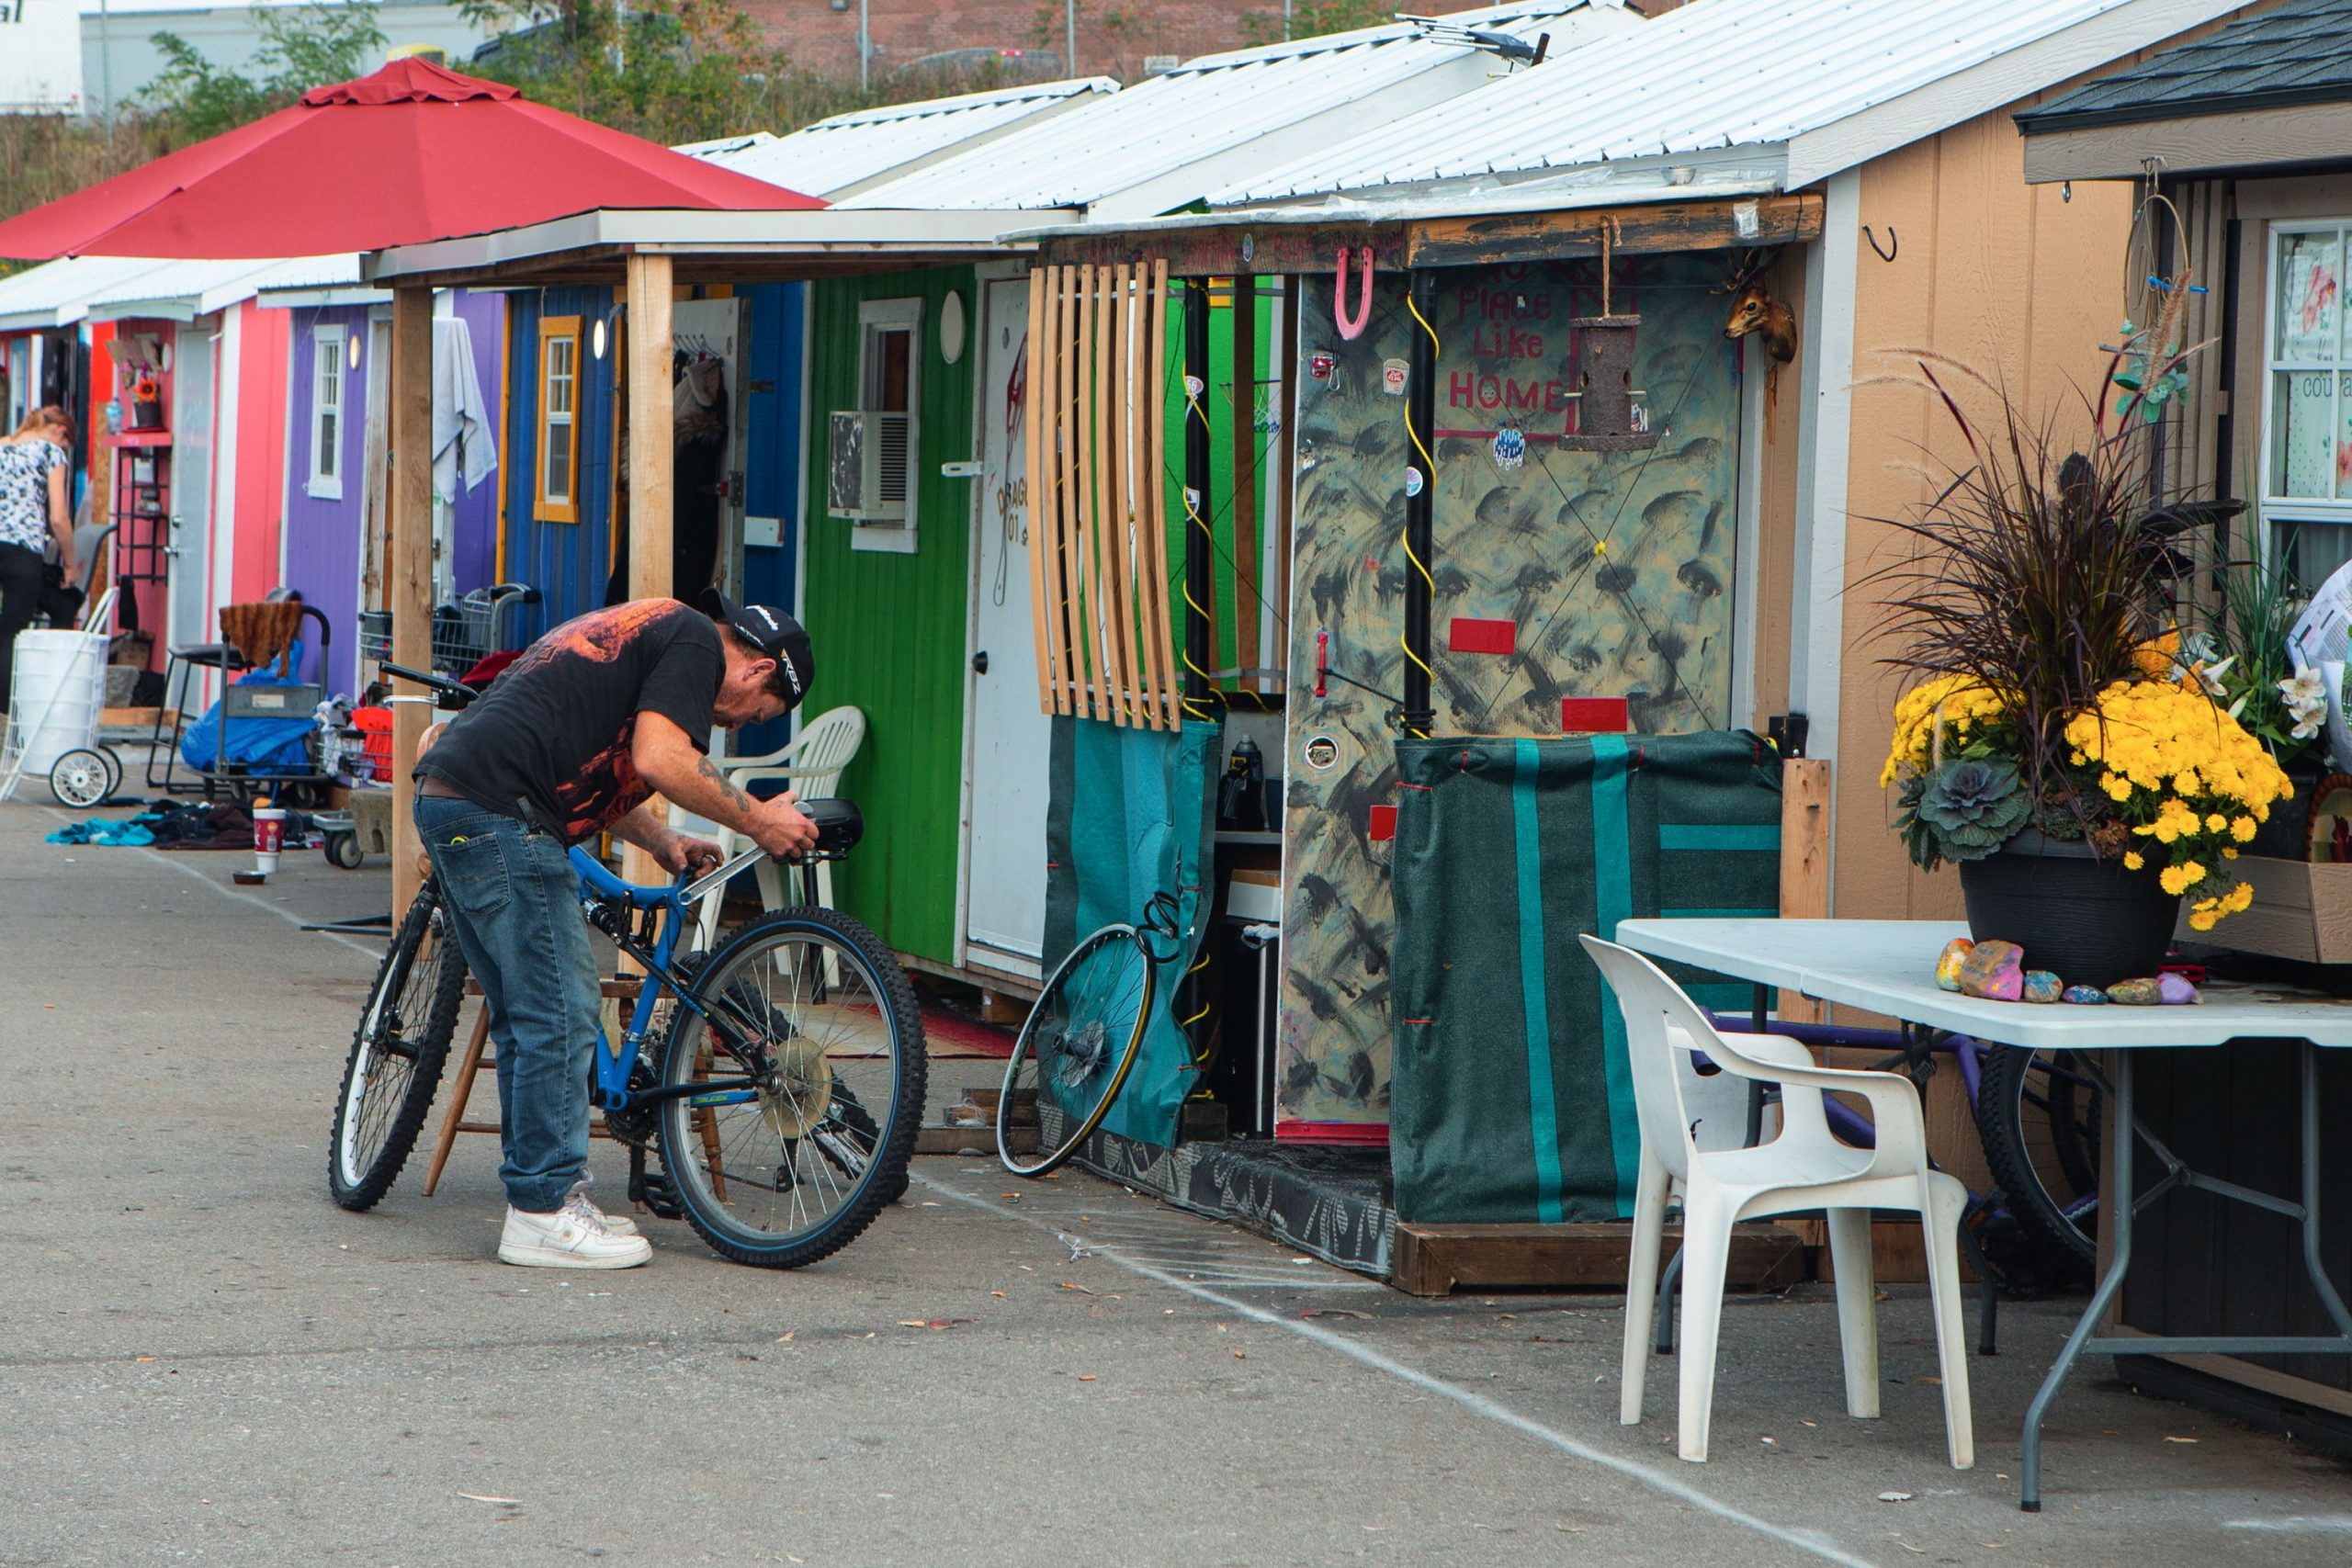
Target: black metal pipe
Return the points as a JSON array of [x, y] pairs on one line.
[[1200, 544], [1421, 411]]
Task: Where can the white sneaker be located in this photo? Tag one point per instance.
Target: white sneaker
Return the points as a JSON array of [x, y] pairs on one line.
[[573, 1237], [620, 1225]]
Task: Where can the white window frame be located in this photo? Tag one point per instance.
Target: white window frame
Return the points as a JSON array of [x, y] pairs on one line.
[[329, 369], [874, 318], [2277, 509]]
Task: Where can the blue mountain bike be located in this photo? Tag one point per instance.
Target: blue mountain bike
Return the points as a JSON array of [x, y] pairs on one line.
[[777, 1081]]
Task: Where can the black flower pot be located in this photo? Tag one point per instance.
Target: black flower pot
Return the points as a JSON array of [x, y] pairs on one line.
[[2286, 833], [2089, 919]]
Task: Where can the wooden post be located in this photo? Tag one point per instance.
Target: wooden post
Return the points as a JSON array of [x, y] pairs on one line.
[[1804, 860], [652, 461], [409, 576]]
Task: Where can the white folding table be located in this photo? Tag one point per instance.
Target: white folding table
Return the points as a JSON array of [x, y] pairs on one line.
[[1888, 966]]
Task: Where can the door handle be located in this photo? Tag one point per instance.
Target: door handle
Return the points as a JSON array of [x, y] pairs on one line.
[[980, 662]]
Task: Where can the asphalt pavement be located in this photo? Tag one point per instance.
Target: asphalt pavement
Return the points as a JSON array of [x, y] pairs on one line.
[[202, 1360]]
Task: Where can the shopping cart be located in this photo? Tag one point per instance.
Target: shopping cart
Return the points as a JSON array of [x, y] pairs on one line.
[[467, 632]]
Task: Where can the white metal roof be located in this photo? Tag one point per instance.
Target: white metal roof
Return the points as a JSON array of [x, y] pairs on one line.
[[57, 294], [1171, 140], [183, 291], [850, 151], [1755, 93]]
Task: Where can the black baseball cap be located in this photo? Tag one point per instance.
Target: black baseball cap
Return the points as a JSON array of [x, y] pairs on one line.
[[774, 634]]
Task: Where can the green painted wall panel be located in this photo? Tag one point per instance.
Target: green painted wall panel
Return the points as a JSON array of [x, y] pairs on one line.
[[890, 629]]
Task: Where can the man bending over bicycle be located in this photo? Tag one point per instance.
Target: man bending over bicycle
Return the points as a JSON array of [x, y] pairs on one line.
[[574, 736]]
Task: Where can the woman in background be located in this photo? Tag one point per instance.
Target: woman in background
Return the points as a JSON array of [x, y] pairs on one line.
[[33, 473]]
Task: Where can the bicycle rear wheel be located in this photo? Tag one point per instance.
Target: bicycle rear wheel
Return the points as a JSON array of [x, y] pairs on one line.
[[802, 1113], [2041, 1117], [1076, 1049], [396, 1054]]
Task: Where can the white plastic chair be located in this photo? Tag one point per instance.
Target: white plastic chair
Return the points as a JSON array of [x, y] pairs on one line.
[[811, 763], [1804, 1169]]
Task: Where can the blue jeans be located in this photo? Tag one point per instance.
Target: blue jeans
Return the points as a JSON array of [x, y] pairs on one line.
[[513, 899]]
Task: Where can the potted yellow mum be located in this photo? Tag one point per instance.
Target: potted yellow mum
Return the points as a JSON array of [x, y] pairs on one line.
[[2051, 745]]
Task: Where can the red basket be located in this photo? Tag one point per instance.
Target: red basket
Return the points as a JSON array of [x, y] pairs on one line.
[[377, 725]]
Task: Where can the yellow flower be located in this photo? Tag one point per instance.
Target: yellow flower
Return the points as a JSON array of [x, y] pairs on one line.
[[2133, 859], [2216, 823], [2241, 830], [2228, 853], [2177, 880]]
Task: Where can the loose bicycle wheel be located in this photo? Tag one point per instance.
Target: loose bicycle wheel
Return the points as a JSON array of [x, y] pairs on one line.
[[82, 778], [396, 1054], [805, 1096], [2041, 1117], [1076, 1051]]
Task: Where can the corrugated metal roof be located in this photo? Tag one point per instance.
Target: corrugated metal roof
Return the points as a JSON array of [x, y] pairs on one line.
[[851, 151], [2300, 53], [57, 294], [185, 289], [1169, 141], [1719, 81]]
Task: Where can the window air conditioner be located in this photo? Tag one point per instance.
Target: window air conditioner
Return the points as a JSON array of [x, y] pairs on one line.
[[867, 465]]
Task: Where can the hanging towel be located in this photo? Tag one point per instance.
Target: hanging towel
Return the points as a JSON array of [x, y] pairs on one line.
[[463, 447]]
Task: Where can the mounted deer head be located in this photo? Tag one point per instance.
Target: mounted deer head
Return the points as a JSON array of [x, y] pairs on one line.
[[1754, 309]]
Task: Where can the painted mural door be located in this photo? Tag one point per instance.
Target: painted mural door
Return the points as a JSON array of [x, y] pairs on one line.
[[194, 358], [1004, 921]]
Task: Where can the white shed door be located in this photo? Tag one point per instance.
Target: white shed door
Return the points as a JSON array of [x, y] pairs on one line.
[[1012, 736]]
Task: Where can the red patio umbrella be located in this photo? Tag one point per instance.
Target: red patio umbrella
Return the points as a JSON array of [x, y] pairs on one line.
[[412, 154]]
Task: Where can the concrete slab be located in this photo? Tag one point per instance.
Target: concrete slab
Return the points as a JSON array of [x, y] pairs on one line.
[[202, 1360]]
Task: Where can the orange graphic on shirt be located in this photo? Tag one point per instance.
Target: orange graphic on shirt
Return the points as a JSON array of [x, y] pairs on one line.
[[608, 787]]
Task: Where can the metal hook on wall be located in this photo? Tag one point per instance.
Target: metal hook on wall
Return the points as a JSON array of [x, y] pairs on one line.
[[1894, 246], [1351, 327]]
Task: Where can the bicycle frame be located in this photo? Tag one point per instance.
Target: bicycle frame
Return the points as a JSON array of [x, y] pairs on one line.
[[644, 919]]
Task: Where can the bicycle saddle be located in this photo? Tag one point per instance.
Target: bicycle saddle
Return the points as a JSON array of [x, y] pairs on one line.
[[839, 825]]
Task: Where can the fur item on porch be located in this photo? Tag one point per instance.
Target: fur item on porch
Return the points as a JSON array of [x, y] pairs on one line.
[[260, 632]]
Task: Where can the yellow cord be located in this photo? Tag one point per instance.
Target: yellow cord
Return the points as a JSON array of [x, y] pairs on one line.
[[1193, 709], [1428, 477]]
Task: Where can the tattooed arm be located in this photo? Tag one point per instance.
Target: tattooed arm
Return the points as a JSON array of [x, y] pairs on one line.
[[672, 764]]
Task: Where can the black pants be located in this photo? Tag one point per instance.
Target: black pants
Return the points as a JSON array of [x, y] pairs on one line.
[[20, 571]]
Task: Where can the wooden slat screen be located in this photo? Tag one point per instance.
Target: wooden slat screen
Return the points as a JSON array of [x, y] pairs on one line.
[[1098, 364]]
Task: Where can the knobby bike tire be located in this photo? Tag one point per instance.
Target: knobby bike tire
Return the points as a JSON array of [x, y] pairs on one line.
[[887, 1132], [397, 1052], [2006, 1122], [1060, 1129]]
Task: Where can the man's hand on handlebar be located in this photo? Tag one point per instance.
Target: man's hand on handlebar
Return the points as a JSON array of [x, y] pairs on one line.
[[684, 854], [780, 828]]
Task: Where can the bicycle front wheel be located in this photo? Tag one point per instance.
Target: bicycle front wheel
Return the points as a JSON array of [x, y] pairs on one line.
[[796, 1121], [1076, 1051], [396, 1054], [2040, 1118]]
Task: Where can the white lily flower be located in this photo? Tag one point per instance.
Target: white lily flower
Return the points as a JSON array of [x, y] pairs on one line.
[[2210, 675], [2308, 725], [2237, 709], [2303, 688]]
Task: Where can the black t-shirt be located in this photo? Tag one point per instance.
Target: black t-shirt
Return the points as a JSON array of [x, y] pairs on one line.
[[556, 729]]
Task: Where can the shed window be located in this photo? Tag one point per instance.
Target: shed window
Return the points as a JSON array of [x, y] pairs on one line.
[[559, 467], [889, 383], [326, 413], [2307, 415]]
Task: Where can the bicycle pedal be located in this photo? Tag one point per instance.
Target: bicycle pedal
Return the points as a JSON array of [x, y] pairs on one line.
[[659, 1194]]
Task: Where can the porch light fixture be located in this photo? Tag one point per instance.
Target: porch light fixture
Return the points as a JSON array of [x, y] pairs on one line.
[[353, 341], [597, 338]]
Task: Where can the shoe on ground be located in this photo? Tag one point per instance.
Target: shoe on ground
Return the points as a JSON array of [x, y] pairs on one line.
[[573, 1237], [620, 1225]]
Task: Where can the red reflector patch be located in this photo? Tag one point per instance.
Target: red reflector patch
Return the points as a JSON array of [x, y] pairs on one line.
[[1469, 636], [1382, 826], [1593, 715]]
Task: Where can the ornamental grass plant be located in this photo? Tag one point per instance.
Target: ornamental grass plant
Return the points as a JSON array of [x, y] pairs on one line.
[[2034, 623]]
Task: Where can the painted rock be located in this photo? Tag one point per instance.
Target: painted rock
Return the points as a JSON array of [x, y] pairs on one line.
[[2135, 992], [1955, 954], [1993, 971], [2042, 985], [2175, 990], [2084, 995]]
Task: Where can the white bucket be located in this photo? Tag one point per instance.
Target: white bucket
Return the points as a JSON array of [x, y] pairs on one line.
[[70, 667]]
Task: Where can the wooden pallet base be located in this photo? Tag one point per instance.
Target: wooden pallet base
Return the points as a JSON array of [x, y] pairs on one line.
[[1432, 1260]]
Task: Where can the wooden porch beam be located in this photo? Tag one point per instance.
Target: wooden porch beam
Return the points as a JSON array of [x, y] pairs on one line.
[[652, 454], [1665, 226], [409, 580]]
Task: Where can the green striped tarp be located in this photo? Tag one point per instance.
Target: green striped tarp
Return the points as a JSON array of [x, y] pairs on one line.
[[1511, 1098]]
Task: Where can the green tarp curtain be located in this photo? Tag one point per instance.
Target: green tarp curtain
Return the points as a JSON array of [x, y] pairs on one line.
[[1130, 816], [1511, 1100]]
